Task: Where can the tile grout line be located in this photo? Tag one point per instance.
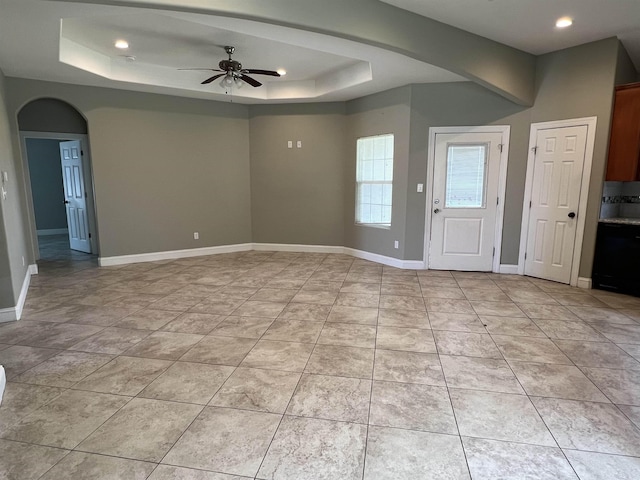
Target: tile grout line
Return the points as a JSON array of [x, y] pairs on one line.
[[453, 411], [373, 376]]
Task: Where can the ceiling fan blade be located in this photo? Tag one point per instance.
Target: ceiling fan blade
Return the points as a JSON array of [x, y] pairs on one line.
[[251, 81], [203, 69], [262, 72], [209, 80]]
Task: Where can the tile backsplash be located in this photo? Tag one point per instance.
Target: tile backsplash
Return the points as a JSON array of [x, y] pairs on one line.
[[620, 199]]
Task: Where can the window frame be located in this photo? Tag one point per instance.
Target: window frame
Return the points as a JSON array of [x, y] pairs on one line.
[[359, 183]]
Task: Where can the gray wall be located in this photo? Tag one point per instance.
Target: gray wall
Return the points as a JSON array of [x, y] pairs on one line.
[[386, 112], [572, 83], [51, 115], [465, 104], [579, 82], [625, 70], [297, 194], [46, 183], [14, 245], [164, 167]]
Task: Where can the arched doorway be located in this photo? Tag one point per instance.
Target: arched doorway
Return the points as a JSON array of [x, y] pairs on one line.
[[57, 165]]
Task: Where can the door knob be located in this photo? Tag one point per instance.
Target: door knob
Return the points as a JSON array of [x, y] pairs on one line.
[[66, 201], [572, 215], [437, 210]]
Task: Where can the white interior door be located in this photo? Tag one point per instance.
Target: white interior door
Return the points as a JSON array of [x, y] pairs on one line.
[[465, 193], [555, 197], [74, 196]]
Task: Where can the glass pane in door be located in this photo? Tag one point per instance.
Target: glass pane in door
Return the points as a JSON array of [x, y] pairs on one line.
[[466, 181]]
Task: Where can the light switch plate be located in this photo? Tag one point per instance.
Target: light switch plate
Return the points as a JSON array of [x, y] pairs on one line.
[[420, 188], [290, 144]]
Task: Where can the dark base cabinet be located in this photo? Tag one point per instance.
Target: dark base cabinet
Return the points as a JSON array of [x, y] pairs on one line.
[[616, 264]]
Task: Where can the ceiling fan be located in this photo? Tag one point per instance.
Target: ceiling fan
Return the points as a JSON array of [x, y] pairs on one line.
[[233, 72]]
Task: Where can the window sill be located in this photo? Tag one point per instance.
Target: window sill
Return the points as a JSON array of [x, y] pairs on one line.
[[374, 225]]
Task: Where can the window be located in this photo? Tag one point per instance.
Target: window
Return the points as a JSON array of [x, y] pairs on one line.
[[466, 176], [374, 180]]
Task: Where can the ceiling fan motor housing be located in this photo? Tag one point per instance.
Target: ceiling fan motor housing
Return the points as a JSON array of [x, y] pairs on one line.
[[227, 65]]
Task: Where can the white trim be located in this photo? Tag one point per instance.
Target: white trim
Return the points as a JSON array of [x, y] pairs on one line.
[[509, 269], [12, 314], [291, 247], [52, 231], [390, 261], [260, 247], [374, 257], [88, 181], [590, 123], [505, 130], [172, 254], [3, 382], [8, 315], [584, 282]]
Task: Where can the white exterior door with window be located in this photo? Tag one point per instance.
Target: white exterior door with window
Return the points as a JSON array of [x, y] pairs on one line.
[[74, 196], [555, 197], [464, 207]]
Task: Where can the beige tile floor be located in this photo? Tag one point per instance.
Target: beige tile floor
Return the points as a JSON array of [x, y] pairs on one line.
[[310, 366]]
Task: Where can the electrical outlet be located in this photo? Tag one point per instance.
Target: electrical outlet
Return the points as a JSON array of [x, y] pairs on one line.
[[299, 144], [396, 244], [196, 236]]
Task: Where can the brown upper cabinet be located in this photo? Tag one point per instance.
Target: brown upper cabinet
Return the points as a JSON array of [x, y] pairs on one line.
[[624, 145]]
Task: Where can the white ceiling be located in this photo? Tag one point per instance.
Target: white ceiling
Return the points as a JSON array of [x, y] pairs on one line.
[[73, 43]]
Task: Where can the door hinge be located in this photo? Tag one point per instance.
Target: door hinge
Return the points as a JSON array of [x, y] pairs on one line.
[[81, 152], [498, 201], [535, 150], [494, 251], [529, 204], [525, 255], [89, 235], [500, 145], [85, 194]]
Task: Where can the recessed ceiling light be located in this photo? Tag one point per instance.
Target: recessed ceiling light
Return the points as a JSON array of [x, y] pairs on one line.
[[282, 71], [122, 44], [564, 22]]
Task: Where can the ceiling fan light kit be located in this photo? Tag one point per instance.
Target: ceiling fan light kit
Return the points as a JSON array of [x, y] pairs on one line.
[[233, 74]]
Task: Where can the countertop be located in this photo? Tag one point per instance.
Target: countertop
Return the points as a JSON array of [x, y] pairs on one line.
[[619, 220]]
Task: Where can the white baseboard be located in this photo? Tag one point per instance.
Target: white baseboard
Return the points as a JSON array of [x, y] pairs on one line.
[[263, 247], [291, 247], [383, 259], [584, 282], [52, 231], [509, 269], [3, 382], [12, 314], [374, 257], [172, 254], [8, 314]]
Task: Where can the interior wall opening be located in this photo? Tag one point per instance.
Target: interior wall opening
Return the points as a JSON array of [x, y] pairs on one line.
[[58, 181]]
